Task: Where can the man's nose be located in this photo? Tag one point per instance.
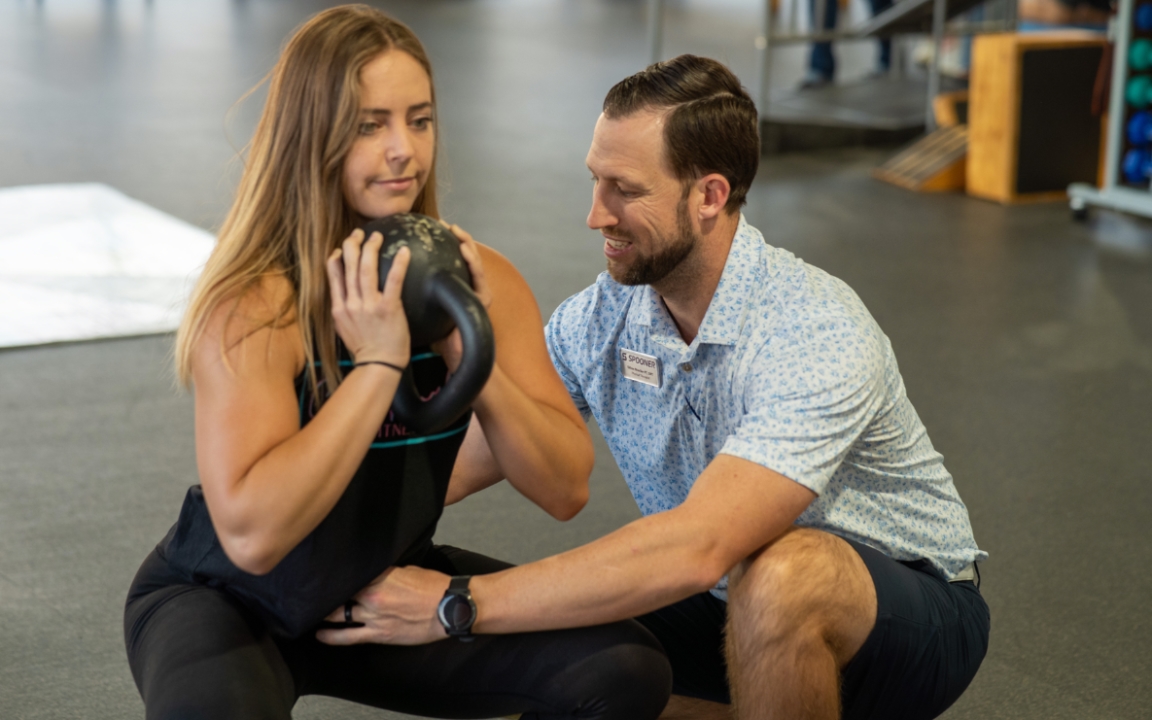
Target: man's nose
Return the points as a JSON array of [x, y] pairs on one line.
[[600, 216]]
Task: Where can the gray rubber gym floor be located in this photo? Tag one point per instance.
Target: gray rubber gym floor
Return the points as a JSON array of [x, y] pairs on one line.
[[1025, 344]]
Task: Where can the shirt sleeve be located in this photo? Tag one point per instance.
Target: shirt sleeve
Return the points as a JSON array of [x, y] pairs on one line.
[[559, 336], [808, 397]]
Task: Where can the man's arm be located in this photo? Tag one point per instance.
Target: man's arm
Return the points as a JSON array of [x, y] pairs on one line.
[[734, 508]]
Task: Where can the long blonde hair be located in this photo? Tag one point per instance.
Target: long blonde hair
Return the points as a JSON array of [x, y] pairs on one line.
[[289, 213]]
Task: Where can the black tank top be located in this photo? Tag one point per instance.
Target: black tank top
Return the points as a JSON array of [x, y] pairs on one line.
[[385, 517]]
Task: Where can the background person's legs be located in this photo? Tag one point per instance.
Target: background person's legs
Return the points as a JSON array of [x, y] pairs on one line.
[[884, 50], [821, 61]]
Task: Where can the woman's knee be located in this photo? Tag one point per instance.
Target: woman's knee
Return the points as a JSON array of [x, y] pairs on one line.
[[623, 673], [195, 654]]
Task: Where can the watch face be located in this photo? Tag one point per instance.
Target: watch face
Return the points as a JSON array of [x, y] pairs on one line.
[[457, 612]]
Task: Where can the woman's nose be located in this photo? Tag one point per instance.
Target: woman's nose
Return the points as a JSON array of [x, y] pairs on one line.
[[399, 147]]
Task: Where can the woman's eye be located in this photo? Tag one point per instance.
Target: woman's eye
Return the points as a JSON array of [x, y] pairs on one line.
[[368, 128], [422, 123]]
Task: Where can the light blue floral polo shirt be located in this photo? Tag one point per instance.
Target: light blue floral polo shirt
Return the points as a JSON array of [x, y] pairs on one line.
[[788, 370]]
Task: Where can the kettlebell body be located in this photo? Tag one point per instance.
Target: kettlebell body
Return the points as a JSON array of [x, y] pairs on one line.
[[438, 298]]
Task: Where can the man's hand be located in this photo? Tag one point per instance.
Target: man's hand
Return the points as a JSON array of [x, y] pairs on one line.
[[397, 608]]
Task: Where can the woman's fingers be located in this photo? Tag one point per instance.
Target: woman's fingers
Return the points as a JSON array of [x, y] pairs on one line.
[[369, 320], [394, 283], [370, 267], [348, 636], [352, 246]]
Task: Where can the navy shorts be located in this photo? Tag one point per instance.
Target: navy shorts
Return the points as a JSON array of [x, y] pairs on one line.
[[930, 638]]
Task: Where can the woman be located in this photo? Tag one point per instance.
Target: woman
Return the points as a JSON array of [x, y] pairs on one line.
[[295, 354]]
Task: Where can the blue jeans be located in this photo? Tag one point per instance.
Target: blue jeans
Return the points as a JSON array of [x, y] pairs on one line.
[[822, 62]]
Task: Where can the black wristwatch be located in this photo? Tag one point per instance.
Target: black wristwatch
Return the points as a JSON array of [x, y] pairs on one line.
[[457, 611]]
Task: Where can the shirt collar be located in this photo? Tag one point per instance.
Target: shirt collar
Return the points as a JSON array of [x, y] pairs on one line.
[[726, 312], [729, 306]]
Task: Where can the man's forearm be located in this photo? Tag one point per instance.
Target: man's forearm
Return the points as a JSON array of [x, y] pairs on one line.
[[645, 565], [735, 508]]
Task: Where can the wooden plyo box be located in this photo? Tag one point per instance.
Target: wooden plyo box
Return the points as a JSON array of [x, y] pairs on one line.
[[1031, 131]]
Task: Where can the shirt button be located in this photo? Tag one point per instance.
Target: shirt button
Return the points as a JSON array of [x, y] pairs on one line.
[[686, 367]]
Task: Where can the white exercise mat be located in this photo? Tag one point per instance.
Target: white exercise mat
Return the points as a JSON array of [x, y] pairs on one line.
[[80, 262]]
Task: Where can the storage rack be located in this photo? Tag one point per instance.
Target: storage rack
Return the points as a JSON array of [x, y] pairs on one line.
[[1122, 190]]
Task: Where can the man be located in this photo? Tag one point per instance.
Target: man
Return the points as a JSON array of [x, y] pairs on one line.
[[757, 413]]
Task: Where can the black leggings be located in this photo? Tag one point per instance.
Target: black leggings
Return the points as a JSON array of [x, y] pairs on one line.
[[195, 652]]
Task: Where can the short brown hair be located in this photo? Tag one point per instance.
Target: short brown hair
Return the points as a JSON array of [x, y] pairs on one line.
[[712, 125]]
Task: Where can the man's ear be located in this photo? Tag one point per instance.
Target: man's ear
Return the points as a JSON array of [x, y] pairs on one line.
[[715, 189]]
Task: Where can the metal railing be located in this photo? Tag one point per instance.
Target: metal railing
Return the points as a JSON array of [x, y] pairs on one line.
[[905, 17]]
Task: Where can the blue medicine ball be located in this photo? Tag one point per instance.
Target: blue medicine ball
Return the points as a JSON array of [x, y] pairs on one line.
[[1144, 16], [1137, 164], [1140, 128]]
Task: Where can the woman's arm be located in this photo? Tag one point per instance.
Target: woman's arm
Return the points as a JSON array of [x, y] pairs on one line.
[[526, 428], [267, 481]]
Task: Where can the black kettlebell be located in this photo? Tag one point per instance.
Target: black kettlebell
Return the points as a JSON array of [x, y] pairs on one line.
[[438, 297]]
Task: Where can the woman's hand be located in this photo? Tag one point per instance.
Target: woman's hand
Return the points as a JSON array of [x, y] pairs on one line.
[[451, 348], [398, 608], [370, 321]]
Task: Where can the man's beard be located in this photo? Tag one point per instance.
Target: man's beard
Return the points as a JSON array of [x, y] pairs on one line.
[[653, 269]]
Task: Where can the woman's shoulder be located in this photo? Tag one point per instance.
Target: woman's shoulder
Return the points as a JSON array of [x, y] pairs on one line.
[[509, 288], [263, 311], [499, 266]]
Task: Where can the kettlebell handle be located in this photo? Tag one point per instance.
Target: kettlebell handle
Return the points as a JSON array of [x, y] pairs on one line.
[[461, 304]]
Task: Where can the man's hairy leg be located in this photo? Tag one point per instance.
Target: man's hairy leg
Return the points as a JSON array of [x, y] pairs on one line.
[[798, 611], [681, 707]]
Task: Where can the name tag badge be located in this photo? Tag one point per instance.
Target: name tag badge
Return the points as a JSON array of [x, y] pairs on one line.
[[640, 367]]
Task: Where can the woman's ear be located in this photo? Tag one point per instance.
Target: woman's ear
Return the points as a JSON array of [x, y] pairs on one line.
[[715, 189]]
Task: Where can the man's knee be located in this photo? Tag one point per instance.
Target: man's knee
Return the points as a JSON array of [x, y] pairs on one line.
[[798, 567], [805, 583]]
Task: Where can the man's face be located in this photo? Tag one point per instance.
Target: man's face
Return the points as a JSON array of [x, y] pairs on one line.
[[638, 205]]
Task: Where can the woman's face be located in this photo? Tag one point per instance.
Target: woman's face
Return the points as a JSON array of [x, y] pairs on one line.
[[392, 155]]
